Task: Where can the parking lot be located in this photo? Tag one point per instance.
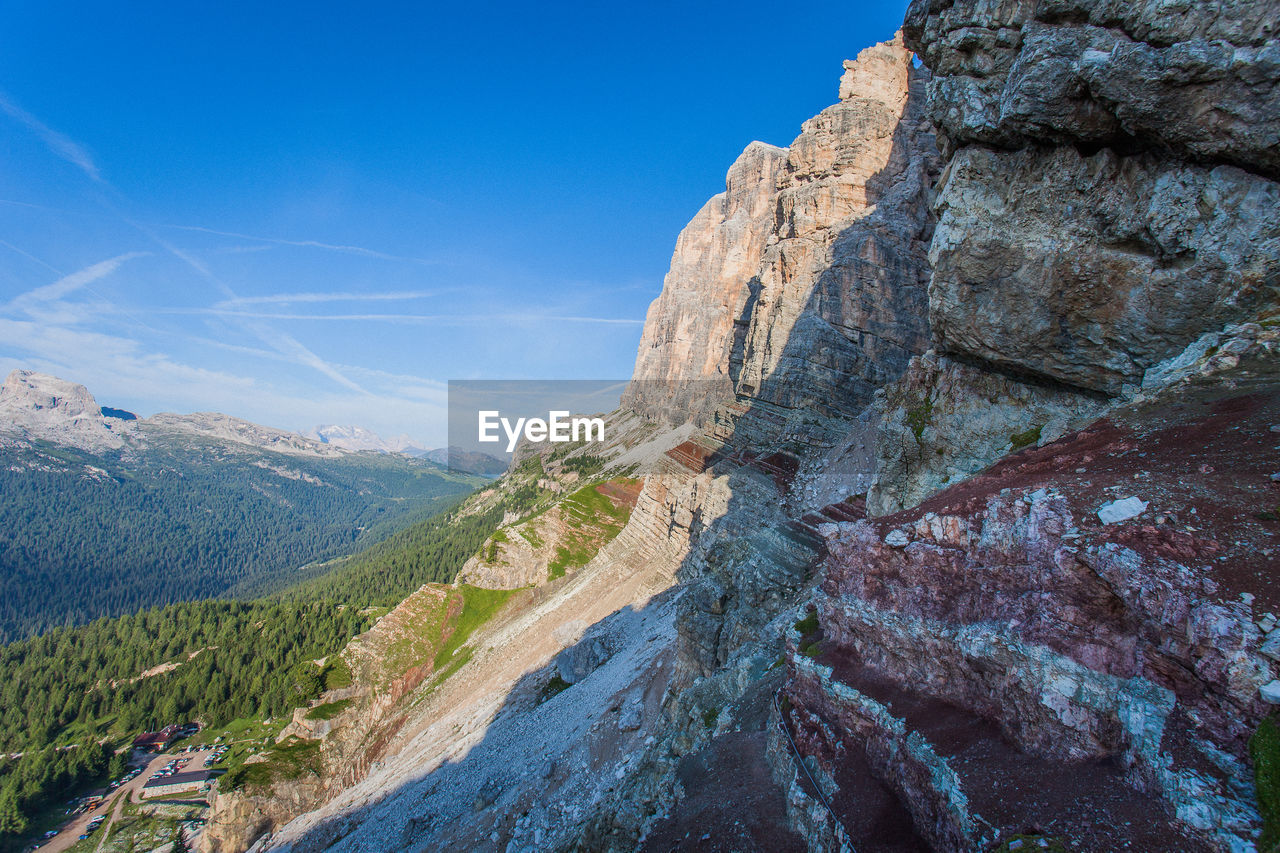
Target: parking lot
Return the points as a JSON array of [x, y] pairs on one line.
[[109, 810]]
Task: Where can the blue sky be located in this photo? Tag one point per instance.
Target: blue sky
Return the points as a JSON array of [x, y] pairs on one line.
[[304, 213]]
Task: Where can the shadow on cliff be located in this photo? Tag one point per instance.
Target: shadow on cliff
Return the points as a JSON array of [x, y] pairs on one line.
[[864, 318]]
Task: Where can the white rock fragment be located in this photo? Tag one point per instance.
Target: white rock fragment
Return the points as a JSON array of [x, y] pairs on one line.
[[896, 538], [1271, 691], [1121, 510]]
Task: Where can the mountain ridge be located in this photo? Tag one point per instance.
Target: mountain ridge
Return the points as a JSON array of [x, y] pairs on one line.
[[101, 516], [876, 569], [40, 406]]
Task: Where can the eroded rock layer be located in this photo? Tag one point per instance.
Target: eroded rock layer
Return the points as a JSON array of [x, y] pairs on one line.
[[1111, 186]]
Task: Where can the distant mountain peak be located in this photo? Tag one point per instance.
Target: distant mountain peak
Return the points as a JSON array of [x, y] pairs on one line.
[[39, 392], [229, 428], [361, 438], [39, 406], [42, 406]]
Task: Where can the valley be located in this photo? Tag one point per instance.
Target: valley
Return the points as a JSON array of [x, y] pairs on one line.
[[101, 516]]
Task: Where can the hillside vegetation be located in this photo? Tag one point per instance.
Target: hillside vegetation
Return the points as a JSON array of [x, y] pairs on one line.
[[215, 661], [88, 535]]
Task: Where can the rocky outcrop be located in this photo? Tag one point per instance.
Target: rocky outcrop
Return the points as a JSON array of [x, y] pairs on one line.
[[1110, 191], [556, 542], [1197, 80], [690, 327], [352, 723], [1016, 598], [26, 390], [51, 409], [1090, 269], [838, 301], [804, 285], [945, 421], [238, 819]]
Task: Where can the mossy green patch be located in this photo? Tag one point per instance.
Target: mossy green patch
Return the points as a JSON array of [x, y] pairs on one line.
[[585, 464], [1264, 748], [490, 551], [593, 520], [710, 717], [337, 674], [808, 624], [1020, 440], [328, 710], [529, 533], [421, 640], [920, 417], [478, 606], [286, 761]]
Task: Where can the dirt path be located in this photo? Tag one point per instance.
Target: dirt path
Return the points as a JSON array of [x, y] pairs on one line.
[[70, 832]]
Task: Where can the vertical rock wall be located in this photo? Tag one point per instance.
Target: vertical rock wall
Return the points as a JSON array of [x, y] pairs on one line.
[[803, 285], [1110, 191]]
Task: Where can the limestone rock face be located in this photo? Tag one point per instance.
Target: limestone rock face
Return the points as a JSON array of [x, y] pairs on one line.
[[1196, 79], [46, 407], [238, 819], [689, 328], [1091, 269], [36, 392], [840, 295], [944, 421], [804, 285], [1111, 187]]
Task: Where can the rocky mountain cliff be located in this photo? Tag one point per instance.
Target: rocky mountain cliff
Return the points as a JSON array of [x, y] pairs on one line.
[[42, 407], [48, 407], [803, 285], [1110, 190], [970, 544]]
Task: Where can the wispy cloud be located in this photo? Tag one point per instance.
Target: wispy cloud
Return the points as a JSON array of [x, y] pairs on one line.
[[290, 298], [60, 144], [422, 319], [24, 253], [607, 321], [281, 342], [76, 280], [240, 250], [308, 244]]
